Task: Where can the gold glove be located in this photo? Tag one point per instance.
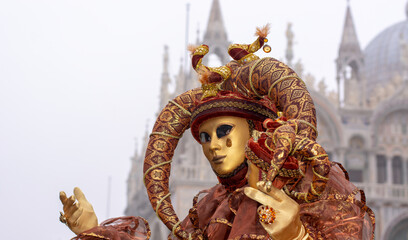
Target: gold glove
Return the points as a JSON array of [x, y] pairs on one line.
[[279, 214], [78, 214]]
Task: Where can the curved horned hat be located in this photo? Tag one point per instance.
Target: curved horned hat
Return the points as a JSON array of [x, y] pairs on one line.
[[247, 86]]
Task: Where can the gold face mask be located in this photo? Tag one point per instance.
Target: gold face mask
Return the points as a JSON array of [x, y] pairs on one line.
[[223, 140]]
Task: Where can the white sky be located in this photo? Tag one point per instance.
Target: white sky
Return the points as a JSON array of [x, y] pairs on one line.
[[80, 79]]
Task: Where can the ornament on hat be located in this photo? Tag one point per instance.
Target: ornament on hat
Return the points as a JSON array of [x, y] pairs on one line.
[[244, 53], [211, 78]]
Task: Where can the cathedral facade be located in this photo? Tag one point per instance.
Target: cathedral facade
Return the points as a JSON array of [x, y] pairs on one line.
[[363, 126]]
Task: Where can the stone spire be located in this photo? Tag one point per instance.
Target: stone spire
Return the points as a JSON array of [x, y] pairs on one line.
[[215, 35], [165, 79], [350, 67], [289, 45], [349, 41]]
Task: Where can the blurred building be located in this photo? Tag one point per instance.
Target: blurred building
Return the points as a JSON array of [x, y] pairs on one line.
[[364, 125]]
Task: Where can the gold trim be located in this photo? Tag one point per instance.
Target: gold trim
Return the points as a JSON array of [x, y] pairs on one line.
[[274, 166], [220, 220], [153, 167], [268, 147], [313, 190], [174, 228], [293, 121], [320, 176], [224, 71], [317, 156], [234, 104], [159, 203], [94, 235], [289, 172], [250, 78], [306, 198], [310, 125], [183, 109], [287, 139], [248, 58], [163, 134], [297, 146]]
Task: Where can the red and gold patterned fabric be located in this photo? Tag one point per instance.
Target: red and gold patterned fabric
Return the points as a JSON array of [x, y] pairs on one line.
[[339, 214]]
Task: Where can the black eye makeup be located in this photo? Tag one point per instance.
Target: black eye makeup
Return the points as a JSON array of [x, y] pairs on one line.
[[204, 137], [223, 130]]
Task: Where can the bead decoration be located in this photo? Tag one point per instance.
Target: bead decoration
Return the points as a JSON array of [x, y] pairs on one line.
[[266, 214]]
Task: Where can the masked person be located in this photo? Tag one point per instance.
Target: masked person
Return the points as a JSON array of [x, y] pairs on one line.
[[254, 153]]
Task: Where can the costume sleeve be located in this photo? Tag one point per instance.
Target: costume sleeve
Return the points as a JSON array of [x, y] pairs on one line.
[[340, 213], [122, 228]]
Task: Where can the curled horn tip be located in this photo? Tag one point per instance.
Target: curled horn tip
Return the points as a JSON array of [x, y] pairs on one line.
[[263, 31], [192, 48]]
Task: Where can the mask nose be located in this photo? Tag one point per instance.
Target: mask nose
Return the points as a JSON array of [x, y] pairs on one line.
[[215, 145]]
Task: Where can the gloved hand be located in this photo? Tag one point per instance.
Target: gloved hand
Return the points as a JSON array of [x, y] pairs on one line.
[[78, 212], [287, 224]]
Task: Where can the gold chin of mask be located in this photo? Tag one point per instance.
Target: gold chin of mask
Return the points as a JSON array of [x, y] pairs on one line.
[[223, 140]]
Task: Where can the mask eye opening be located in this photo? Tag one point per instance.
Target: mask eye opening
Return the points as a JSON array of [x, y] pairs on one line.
[[223, 130], [204, 137]]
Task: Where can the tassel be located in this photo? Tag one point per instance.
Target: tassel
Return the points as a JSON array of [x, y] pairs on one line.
[[262, 32], [192, 48], [204, 75]]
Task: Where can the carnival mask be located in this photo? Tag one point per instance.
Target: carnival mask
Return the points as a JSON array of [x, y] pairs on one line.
[[223, 140]]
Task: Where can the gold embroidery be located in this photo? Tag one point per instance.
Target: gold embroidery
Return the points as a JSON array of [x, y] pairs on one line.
[[151, 168], [309, 124], [163, 134], [317, 156], [320, 176], [278, 81], [250, 78], [183, 109], [240, 105], [174, 227]]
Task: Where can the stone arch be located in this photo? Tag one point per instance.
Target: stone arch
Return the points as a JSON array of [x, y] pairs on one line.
[[384, 112], [398, 228], [357, 142], [355, 67]]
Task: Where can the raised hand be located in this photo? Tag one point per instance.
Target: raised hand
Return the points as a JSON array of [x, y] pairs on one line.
[[281, 212], [78, 214]]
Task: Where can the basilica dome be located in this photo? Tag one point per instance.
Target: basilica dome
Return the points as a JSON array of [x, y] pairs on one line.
[[383, 55]]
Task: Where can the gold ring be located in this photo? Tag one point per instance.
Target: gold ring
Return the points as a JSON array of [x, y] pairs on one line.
[[268, 186], [266, 214], [62, 218]]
